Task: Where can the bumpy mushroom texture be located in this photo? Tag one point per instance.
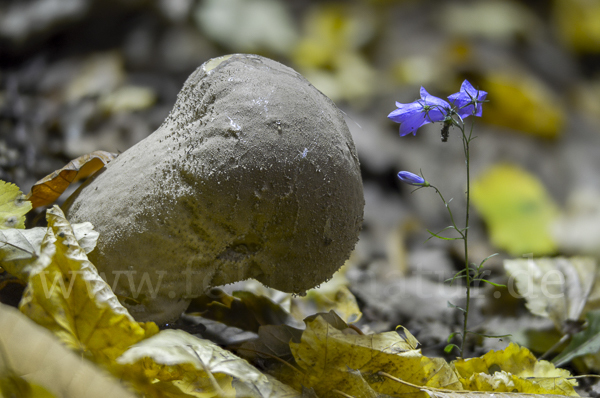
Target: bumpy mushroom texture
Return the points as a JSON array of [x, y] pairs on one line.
[[252, 175]]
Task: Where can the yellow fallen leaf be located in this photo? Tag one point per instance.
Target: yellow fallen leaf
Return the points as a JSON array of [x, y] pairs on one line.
[[494, 20], [328, 353], [256, 305], [48, 189], [98, 74], [328, 53], [33, 360], [66, 295], [330, 30], [517, 210], [14, 386], [479, 394], [514, 369], [20, 247], [128, 99], [272, 350], [522, 103], [13, 206], [257, 26], [176, 362], [577, 22], [331, 295], [556, 288]]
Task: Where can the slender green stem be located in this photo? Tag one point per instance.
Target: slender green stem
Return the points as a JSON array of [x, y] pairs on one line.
[[466, 142], [464, 235]]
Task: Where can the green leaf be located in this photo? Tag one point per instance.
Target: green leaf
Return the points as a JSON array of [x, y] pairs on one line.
[[584, 342], [442, 237], [455, 306], [458, 275], [455, 277], [485, 259], [490, 336], [448, 349], [489, 282]]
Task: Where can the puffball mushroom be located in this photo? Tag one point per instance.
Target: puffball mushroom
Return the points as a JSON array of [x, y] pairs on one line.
[[252, 175]]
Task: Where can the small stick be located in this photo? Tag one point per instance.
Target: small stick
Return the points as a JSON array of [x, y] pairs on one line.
[[343, 394]]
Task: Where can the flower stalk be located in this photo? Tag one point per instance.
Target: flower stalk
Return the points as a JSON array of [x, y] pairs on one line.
[[466, 142], [429, 109]]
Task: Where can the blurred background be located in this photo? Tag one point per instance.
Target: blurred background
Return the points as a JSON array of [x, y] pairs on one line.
[[84, 75]]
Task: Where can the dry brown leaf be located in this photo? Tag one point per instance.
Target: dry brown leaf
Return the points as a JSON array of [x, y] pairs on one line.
[[244, 310], [48, 189]]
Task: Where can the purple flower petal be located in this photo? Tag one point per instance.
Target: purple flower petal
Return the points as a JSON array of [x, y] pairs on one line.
[[438, 106], [468, 100], [411, 116]]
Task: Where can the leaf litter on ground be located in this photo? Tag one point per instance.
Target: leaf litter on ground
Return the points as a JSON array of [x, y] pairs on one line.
[[66, 295], [565, 290]]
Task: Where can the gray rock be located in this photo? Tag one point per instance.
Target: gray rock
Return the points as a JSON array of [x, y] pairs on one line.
[[252, 175]]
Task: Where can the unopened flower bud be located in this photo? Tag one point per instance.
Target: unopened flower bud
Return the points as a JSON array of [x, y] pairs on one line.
[[412, 179]]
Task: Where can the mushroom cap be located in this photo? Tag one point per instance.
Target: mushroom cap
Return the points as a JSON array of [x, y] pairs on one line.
[[252, 175]]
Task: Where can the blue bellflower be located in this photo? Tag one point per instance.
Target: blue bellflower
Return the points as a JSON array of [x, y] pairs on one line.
[[468, 100], [411, 116], [412, 179]]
